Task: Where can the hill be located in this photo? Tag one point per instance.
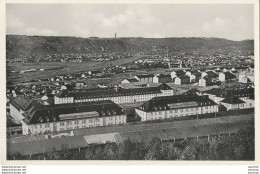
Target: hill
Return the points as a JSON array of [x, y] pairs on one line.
[[17, 45]]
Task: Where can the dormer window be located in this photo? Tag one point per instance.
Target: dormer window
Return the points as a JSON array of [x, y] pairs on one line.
[[47, 119]]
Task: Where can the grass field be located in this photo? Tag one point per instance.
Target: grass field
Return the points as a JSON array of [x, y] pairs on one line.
[[59, 68]]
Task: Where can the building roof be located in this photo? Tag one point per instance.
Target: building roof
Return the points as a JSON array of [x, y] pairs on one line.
[[184, 77], [51, 113], [212, 74], [180, 72], [192, 92], [145, 76], [232, 100], [217, 91], [22, 103], [101, 93], [247, 92], [164, 86], [178, 101], [229, 75], [132, 80], [164, 76]]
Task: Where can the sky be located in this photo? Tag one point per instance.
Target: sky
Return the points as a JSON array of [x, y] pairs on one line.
[[234, 22]]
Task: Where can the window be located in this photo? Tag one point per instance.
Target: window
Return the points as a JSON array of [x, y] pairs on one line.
[[62, 124], [40, 126], [91, 120], [47, 125]]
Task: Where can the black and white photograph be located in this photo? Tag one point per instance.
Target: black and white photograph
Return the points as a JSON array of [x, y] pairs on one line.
[[130, 81]]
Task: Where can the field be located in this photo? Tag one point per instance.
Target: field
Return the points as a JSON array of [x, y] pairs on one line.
[[58, 68]]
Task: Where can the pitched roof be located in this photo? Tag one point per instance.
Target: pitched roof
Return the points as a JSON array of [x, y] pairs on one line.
[[164, 76], [22, 103], [164, 86], [247, 92], [184, 77], [101, 93], [178, 101], [51, 113], [212, 74], [180, 72], [131, 80], [217, 91], [145, 75], [232, 100], [229, 75]]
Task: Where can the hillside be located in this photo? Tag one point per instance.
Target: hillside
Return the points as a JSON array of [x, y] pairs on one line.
[[48, 45]]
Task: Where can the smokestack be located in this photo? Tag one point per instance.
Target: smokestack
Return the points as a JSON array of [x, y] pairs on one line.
[[115, 35]]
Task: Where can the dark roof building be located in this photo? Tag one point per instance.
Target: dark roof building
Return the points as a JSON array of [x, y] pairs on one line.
[[229, 75], [52, 113], [132, 80], [232, 100], [102, 93], [211, 74], [21, 103], [174, 102], [247, 92]]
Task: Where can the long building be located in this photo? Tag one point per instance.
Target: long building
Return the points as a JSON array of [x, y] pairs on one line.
[[175, 106], [119, 95], [232, 99], [52, 118]]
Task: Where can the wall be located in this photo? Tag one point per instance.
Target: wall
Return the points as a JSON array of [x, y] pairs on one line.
[[163, 114], [16, 114], [73, 124]]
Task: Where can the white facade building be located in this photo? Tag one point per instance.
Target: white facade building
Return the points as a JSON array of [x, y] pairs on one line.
[[55, 118], [116, 95], [175, 106]]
